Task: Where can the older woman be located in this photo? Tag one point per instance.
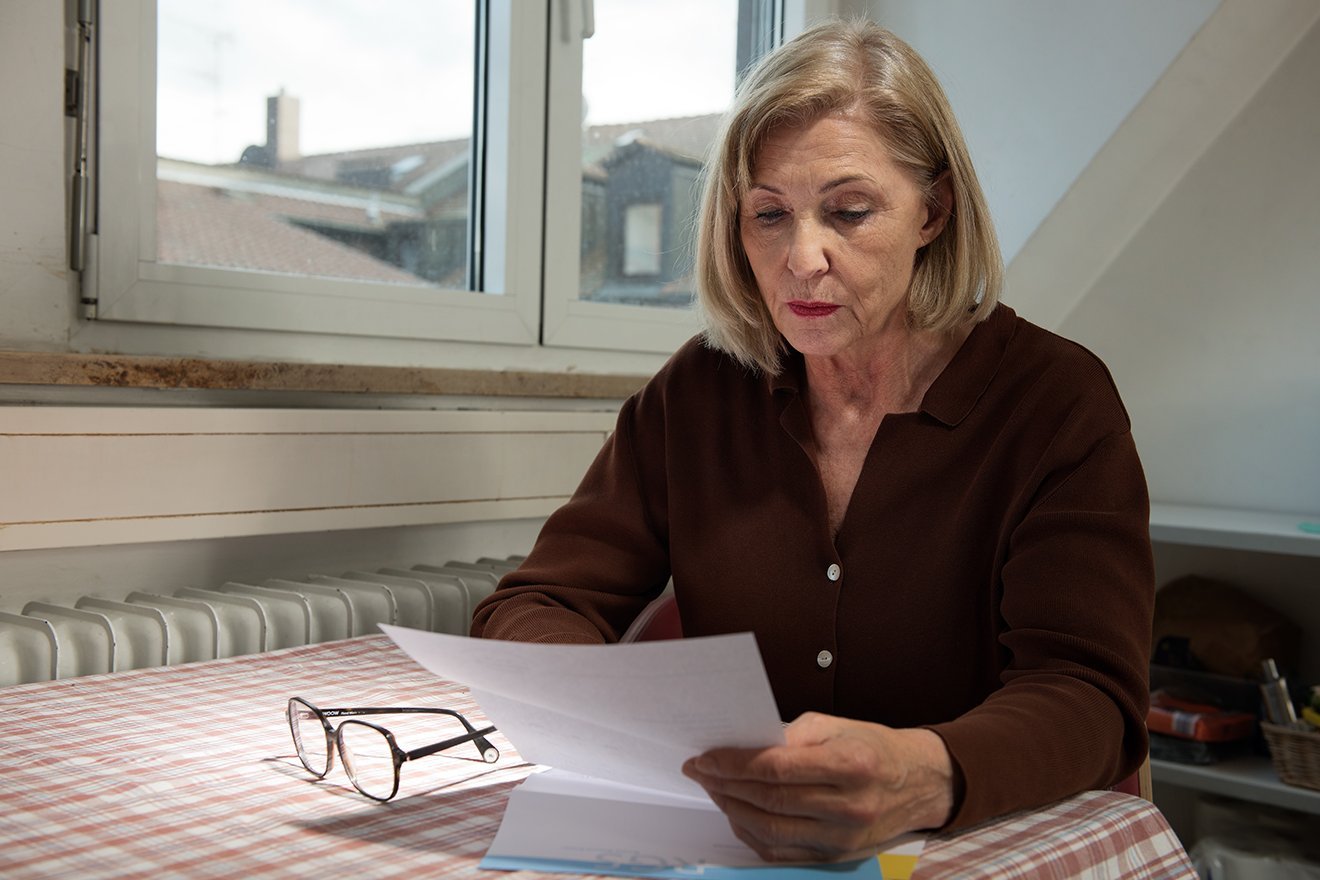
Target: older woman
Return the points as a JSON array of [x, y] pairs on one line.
[[929, 511]]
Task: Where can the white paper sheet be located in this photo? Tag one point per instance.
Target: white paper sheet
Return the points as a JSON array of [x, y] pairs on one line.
[[562, 822], [630, 713], [560, 816]]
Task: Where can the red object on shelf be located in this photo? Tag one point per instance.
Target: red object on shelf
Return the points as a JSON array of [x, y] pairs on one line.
[[1196, 721]]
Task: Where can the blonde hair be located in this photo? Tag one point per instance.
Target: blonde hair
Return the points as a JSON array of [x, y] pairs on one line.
[[862, 68]]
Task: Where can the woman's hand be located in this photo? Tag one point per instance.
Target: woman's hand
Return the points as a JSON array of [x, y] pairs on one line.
[[838, 788]]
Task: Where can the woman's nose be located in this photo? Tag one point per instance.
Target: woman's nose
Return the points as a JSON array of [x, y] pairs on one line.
[[806, 250]]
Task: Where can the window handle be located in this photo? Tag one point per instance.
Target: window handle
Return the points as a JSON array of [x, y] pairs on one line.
[[588, 19]]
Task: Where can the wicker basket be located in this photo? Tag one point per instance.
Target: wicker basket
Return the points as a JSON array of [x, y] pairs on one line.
[[1295, 753]]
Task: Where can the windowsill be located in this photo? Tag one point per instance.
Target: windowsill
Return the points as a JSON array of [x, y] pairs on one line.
[[137, 371]]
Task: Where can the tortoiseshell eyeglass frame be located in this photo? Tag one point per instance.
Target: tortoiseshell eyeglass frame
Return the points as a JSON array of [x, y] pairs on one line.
[[334, 740]]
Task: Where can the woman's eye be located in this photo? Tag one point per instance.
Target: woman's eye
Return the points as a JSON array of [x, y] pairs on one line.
[[853, 216], [769, 215]]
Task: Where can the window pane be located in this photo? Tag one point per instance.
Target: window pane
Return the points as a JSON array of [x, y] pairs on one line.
[[655, 79], [300, 137], [642, 239]]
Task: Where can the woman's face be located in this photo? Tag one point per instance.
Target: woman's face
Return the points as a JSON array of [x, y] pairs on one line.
[[831, 226]]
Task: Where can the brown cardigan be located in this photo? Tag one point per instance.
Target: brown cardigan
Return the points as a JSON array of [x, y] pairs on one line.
[[994, 579]]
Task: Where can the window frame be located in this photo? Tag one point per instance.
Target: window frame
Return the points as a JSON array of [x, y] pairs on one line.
[[569, 320], [127, 284], [527, 265]]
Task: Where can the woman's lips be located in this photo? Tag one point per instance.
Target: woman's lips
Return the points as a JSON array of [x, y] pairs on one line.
[[812, 309]]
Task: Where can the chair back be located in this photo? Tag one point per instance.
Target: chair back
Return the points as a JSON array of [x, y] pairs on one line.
[[658, 620], [1138, 784]]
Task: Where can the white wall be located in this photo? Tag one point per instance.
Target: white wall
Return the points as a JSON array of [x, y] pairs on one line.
[[1210, 318], [1040, 85]]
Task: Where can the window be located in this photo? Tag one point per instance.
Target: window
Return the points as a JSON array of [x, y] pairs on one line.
[[478, 170], [388, 248], [645, 95], [641, 241], [273, 155]]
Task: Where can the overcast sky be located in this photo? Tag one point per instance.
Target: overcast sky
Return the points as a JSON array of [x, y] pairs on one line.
[[381, 73]]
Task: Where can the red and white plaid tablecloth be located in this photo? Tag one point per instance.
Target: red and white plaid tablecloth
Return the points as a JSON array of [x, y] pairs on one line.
[[189, 771]]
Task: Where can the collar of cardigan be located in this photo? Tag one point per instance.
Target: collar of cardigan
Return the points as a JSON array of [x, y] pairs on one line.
[[955, 391]]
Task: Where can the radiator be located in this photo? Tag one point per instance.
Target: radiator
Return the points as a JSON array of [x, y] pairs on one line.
[[98, 634]]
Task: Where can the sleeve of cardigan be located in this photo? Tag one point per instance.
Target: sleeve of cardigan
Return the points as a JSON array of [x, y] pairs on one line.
[[1078, 595], [602, 556]]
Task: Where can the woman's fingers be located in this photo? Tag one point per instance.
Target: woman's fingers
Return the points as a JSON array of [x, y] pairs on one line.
[[790, 803], [836, 788], [782, 837], [832, 768], [786, 797]]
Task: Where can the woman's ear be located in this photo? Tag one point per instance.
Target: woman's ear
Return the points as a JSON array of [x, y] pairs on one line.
[[939, 208]]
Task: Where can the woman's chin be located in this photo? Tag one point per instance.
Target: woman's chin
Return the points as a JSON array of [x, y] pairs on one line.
[[820, 343]]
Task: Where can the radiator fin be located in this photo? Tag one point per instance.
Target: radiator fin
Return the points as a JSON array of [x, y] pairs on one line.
[[98, 634]]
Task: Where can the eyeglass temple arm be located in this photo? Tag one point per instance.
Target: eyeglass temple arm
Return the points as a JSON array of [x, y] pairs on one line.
[[388, 710], [400, 710], [473, 735], [489, 753]]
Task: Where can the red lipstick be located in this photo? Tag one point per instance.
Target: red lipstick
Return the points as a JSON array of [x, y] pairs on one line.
[[812, 309]]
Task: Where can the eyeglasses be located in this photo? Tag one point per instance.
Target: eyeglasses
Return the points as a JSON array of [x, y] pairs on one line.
[[370, 755]]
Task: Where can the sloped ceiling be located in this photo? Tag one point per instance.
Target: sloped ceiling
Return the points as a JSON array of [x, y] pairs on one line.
[[1039, 86], [1208, 314], [1187, 109]]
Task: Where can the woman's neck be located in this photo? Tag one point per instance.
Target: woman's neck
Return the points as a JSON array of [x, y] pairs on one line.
[[890, 376]]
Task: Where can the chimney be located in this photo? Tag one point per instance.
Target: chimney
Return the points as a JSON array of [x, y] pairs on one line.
[[282, 128]]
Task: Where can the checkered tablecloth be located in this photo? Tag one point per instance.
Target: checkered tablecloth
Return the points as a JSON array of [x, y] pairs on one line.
[[189, 771]]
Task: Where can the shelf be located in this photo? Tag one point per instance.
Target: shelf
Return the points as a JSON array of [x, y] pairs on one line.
[[1248, 779], [1293, 534]]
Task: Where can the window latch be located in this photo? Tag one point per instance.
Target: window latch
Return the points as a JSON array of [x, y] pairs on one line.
[[77, 106], [588, 19]]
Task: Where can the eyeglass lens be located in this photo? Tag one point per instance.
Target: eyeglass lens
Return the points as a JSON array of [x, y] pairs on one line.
[[309, 737], [368, 758]]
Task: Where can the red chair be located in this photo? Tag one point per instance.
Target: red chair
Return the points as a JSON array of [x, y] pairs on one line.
[[1138, 784], [658, 621]]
